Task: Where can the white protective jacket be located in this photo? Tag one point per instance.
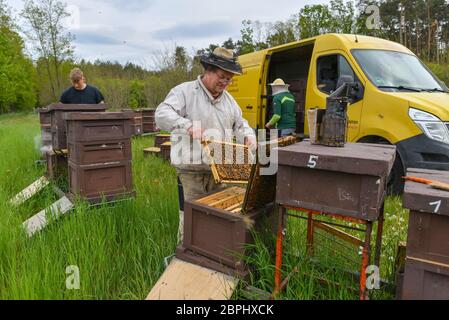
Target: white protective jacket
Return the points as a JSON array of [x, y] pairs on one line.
[[191, 103]]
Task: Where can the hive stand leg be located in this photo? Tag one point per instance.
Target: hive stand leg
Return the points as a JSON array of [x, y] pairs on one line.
[[380, 226], [366, 252], [310, 231], [279, 240]]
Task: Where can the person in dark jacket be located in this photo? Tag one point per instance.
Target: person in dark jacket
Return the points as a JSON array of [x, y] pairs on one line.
[[80, 92]]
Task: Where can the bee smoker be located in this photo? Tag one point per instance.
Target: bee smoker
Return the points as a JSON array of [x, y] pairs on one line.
[[333, 129]]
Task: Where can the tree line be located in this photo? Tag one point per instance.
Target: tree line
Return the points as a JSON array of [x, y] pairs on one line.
[[25, 83]]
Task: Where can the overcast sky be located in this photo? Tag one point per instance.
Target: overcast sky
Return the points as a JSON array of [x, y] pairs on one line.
[[134, 30]]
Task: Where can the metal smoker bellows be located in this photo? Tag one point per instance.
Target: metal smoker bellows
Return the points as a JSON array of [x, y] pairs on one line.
[[332, 127]]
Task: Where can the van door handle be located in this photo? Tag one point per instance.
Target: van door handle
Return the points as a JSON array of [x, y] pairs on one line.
[[249, 107]]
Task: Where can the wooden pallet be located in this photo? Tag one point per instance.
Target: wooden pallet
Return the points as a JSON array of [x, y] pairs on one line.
[[186, 281]]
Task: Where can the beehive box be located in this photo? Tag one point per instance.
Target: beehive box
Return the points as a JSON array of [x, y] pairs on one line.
[[149, 127], [99, 151], [111, 181], [159, 139], [45, 122], [217, 227], [136, 121], [57, 165], [349, 181], [148, 120], [98, 126], [427, 262], [165, 150], [58, 122]]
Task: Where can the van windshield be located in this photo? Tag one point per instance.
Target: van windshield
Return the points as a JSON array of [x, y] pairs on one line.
[[396, 71]]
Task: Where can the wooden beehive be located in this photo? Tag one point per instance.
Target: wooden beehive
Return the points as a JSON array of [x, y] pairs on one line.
[[349, 181], [427, 263], [217, 227], [100, 157]]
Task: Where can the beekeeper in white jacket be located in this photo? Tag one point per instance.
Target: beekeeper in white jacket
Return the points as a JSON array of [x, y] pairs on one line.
[[202, 109]]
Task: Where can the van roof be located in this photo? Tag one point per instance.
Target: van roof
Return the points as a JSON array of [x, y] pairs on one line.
[[330, 41]]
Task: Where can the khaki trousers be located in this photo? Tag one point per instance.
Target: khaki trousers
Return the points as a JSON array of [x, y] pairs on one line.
[[195, 185]]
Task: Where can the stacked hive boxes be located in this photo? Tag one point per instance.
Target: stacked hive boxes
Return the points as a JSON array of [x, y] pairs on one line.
[[99, 149], [148, 121], [427, 253]]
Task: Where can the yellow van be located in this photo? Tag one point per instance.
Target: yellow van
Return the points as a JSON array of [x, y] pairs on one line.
[[399, 100]]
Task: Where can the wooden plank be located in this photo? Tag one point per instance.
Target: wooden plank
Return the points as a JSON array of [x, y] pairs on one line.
[[338, 233], [40, 221], [29, 191], [186, 281], [235, 206], [226, 202], [215, 196]]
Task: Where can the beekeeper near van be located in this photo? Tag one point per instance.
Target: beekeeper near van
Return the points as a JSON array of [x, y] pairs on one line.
[[191, 110], [284, 109]]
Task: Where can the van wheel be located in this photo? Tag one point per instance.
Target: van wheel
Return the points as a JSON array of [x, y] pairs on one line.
[[395, 184]]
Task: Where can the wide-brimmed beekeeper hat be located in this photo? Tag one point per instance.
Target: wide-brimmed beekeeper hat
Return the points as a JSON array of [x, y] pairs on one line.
[[279, 82], [222, 58]]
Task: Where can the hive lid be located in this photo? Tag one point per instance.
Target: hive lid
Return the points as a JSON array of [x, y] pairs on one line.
[[77, 107], [422, 197], [94, 116], [356, 158]]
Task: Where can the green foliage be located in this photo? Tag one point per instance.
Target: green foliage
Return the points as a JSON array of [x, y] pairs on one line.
[[17, 74], [441, 71]]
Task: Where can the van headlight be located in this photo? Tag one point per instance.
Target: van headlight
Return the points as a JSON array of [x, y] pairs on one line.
[[432, 126]]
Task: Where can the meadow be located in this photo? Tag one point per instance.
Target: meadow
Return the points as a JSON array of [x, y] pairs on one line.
[[120, 248]]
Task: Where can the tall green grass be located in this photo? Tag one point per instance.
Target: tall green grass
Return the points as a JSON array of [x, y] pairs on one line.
[[120, 248]]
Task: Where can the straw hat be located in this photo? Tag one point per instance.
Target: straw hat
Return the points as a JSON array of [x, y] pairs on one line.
[[222, 58], [279, 82]]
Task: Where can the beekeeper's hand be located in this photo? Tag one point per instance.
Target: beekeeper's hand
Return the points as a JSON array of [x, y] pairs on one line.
[[196, 132], [251, 142]]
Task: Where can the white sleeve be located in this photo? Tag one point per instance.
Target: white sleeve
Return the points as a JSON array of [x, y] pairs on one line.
[[171, 112]]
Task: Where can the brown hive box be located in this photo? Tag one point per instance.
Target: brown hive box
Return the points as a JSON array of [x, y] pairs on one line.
[[84, 153], [165, 150], [58, 123], [217, 227], [349, 181], [136, 121], [427, 262], [149, 127], [112, 181], [45, 122], [159, 139], [57, 165], [98, 126]]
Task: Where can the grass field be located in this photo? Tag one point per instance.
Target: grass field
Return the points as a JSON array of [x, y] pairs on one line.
[[120, 249]]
